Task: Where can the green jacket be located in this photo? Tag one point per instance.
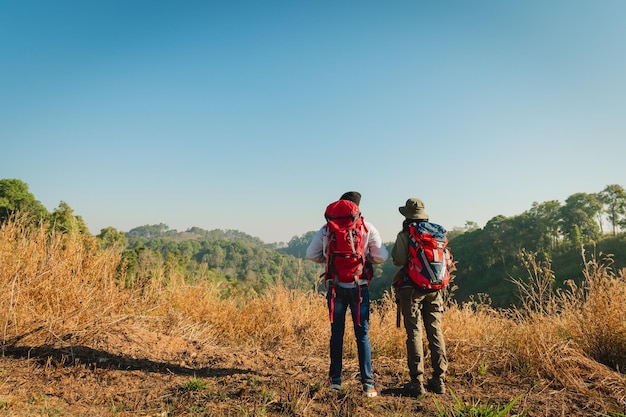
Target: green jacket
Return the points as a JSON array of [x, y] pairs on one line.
[[400, 253]]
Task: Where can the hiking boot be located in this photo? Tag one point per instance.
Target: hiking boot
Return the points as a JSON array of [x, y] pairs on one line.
[[333, 384], [369, 390], [437, 385], [414, 388]]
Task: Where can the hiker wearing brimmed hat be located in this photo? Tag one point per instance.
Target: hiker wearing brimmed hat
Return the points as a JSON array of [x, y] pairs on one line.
[[353, 292], [419, 304]]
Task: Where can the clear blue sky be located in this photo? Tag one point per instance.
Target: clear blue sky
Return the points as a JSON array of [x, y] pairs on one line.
[[254, 115]]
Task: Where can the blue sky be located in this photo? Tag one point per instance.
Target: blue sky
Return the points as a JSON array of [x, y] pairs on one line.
[[254, 115]]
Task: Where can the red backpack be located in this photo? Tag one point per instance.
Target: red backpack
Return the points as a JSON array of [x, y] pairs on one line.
[[429, 255], [345, 250]]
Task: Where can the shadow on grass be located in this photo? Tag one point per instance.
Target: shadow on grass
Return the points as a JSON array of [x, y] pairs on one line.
[[395, 392], [47, 355]]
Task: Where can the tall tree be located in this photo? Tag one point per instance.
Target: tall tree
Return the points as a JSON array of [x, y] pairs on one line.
[[578, 218], [148, 231], [500, 239], [15, 197], [297, 245], [547, 216], [64, 220], [111, 237], [614, 197]]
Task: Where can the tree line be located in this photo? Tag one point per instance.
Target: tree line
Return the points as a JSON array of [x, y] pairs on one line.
[[232, 259], [16, 198], [489, 257]]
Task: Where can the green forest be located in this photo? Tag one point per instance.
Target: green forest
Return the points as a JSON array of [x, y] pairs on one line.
[[488, 260]]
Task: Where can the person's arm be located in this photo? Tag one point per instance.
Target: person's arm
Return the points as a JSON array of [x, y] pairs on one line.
[[400, 250], [377, 252], [315, 251]]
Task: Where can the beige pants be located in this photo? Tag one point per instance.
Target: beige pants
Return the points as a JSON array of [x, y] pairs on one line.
[[418, 306]]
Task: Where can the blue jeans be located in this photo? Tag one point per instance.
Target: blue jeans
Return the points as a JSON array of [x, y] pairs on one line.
[[344, 298]]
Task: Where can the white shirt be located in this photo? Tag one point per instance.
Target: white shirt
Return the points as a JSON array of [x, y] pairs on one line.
[[375, 250]]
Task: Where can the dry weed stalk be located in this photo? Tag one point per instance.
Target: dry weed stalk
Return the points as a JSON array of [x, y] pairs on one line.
[[536, 294], [595, 312], [571, 335]]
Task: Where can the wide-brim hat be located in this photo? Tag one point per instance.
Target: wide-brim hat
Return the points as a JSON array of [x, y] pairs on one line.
[[414, 209]]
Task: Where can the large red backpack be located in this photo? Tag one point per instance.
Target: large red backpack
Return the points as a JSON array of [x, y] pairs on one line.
[[429, 255], [345, 249]]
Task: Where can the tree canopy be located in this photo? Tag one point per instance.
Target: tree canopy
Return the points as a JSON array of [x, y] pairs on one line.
[[15, 197]]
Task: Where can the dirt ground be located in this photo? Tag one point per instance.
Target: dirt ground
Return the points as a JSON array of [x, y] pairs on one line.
[[130, 371]]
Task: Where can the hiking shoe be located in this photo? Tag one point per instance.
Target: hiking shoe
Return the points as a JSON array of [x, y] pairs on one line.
[[414, 388], [370, 390], [437, 385], [336, 385]]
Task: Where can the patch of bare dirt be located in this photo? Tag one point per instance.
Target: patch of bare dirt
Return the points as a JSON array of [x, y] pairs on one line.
[[130, 371]]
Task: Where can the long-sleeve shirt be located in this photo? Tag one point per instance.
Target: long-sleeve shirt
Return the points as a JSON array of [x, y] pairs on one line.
[[375, 250], [400, 253]]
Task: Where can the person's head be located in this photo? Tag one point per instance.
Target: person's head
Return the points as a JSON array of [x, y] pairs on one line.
[[413, 209], [353, 196]]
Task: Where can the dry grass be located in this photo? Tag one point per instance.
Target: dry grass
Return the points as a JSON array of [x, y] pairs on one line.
[[56, 286], [60, 290]]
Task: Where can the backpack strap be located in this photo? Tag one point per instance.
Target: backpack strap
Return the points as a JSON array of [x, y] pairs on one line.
[[332, 304], [358, 306]]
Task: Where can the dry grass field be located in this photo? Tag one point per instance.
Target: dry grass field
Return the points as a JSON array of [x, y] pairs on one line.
[[77, 343]]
